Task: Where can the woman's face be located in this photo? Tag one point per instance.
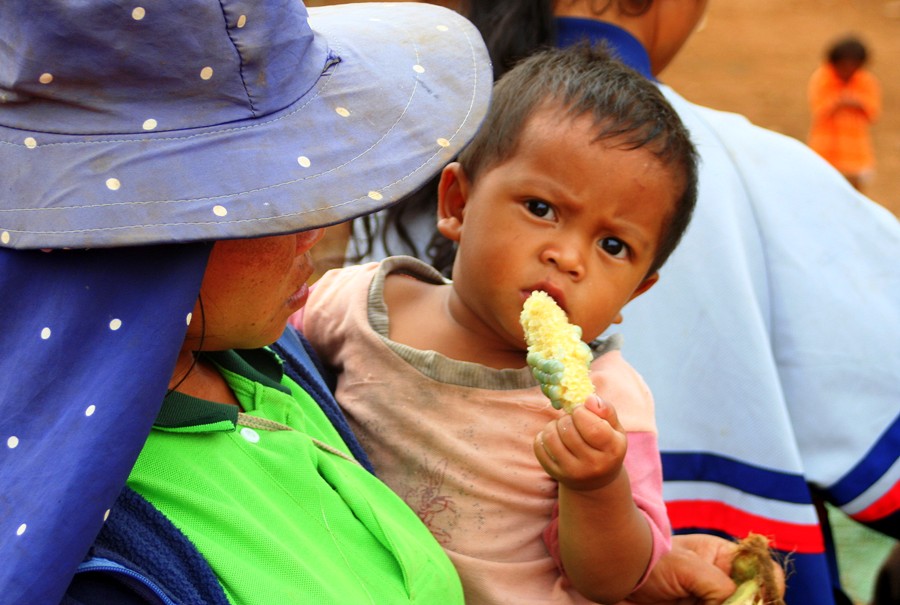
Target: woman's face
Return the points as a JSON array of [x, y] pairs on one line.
[[250, 288]]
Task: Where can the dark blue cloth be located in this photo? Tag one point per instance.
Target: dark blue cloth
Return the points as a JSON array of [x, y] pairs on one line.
[[141, 558], [90, 341], [625, 47]]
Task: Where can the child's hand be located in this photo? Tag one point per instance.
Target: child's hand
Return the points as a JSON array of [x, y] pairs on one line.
[[583, 450]]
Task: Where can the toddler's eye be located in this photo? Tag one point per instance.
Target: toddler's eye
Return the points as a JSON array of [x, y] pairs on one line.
[[614, 247], [540, 208]]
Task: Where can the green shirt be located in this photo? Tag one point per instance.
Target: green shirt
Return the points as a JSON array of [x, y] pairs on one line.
[[284, 515]]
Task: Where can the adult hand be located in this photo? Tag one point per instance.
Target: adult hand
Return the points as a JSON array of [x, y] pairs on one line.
[[694, 572]]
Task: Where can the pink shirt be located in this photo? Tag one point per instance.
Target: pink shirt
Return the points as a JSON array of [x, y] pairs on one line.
[[454, 440]]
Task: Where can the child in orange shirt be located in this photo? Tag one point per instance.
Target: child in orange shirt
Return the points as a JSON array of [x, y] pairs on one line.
[[845, 99]]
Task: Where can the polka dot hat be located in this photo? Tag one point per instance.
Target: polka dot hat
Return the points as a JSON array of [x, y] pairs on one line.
[[126, 127], [181, 120]]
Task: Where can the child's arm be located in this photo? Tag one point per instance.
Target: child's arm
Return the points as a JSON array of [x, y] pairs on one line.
[[605, 541]]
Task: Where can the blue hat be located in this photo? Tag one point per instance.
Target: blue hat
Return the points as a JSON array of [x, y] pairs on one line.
[[176, 121], [183, 120]]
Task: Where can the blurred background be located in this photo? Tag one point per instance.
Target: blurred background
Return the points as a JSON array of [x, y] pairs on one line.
[[755, 57]]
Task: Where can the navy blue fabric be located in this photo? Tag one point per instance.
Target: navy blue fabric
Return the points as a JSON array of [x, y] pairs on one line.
[[300, 359], [627, 48], [96, 334], [144, 542]]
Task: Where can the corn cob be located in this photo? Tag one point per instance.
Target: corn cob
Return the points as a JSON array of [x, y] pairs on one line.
[[751, 570], [559, 359]]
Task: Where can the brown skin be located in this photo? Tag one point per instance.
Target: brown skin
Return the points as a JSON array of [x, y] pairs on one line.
[[662, 29], [249, 289]]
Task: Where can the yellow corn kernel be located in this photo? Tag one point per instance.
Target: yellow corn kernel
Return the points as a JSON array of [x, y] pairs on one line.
[[549, 334]]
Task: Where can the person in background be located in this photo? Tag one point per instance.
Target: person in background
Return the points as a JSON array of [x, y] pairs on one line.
[[166, 169], [776, 317], [455, 422], [845, 100]]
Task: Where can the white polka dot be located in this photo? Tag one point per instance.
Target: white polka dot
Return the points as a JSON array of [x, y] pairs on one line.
[[113, 184], [106, 514], [45, 78], [443, 28], [375, 196], [220, 210], [187, 320], [115, 324], [30, 142], [89, 411], [418, 69], [149, 124], [206, 73], [21, 529], [304, 161], [12, 443], [342, 111], [138, 13], [45, 333], [250, 435], [4, 237], [242, 21], [443, 142]]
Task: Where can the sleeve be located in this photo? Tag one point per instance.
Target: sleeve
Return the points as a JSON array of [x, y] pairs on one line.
[[869, 95], [645, 474], [621, 385], [835, 335], [822, 95]]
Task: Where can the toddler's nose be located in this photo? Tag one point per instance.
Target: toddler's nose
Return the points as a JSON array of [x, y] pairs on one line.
[[566, 258]]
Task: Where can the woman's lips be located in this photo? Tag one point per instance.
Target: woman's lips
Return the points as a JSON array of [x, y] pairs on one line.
[[298, 298]]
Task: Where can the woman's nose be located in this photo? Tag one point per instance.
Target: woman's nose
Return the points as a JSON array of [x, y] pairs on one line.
[[308, 239]]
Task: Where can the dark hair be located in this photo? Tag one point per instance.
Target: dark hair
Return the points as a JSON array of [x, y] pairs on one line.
[[627, 110], [848, 48], [512, 31]]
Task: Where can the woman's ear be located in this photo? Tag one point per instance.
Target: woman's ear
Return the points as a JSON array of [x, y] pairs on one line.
[[453, 191]]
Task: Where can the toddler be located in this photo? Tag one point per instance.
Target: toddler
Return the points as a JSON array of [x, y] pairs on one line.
[[579, 183]]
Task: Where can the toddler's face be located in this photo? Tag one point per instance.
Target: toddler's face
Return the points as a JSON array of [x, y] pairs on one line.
[[576, 218]]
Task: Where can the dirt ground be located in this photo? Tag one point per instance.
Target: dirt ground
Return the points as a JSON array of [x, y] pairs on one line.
[[754, 57]]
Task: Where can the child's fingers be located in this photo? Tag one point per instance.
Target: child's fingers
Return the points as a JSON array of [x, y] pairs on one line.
[[597, 425], [602, 409], [545, 450]]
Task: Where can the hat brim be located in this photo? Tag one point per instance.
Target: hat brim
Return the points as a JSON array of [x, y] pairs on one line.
[[411, 87]]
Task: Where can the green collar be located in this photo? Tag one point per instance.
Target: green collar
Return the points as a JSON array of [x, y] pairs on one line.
[[186, 414]]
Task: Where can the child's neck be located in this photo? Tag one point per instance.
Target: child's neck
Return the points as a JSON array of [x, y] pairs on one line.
[[419, 316]]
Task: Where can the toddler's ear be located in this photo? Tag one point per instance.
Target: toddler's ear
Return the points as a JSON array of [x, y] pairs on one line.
[[645, 285], [453, 191]]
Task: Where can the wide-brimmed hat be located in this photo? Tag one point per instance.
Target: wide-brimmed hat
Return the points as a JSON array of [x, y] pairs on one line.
[[125, 123]]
